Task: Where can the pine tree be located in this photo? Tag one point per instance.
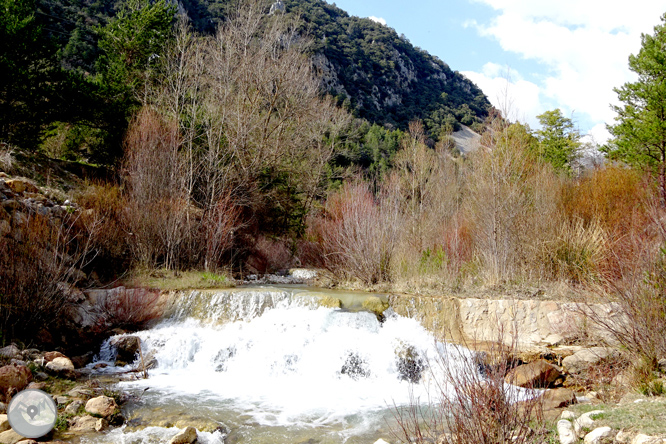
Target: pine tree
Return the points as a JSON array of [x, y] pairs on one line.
[[640, 131]]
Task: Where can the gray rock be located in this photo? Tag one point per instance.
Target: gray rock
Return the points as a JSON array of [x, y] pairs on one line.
[[73, 407], [11, 351]]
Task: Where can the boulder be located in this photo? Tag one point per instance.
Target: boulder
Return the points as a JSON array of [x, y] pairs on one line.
[[83, 360], [61, 367], [127, 347], [587, 357], [187, 436], [11, 351], [537, 374], [556, 398], [599, 436], [10, 437], [21, 186], [14, 378], [103, 406], [566, 432]]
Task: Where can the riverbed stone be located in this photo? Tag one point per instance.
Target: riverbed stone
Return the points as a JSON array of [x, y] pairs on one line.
[[74, 406], [598, 436], [61, 367], [187, 436], [10, 437], [585, 421], [103, 406], [85, 423]]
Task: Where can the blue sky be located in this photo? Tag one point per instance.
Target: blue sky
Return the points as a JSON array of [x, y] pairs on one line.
[[529, 56]]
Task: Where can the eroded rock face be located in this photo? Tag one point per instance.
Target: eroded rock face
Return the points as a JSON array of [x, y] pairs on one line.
[[537, 374]]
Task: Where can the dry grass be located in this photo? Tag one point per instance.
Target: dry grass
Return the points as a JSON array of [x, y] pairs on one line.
[[6, 159]]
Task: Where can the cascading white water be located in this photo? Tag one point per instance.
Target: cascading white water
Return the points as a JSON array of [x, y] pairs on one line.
[[288, 372]]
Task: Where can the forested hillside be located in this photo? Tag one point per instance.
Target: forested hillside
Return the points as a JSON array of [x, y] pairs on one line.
[[371, 70]]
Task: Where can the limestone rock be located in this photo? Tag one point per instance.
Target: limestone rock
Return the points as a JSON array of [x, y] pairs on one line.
[[61, 367], [645, 439], [14, 378], [102, 406], [84, 423], [566, 432], [568, 414], [127, 348], [556, 398], [585, 421], [10, 437], [587, 357], [537, 374], [187, 436], [4, 423], [598, 436]]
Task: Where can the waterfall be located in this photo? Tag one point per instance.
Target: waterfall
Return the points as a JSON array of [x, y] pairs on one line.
[[280, 362]]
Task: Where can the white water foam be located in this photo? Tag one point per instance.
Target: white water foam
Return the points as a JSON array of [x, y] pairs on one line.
[[290, 365]]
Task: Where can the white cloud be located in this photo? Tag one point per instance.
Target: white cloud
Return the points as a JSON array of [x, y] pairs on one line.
[[377, 20], [583, 48]]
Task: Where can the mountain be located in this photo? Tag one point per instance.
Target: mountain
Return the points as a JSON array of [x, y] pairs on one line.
[[374, 72]]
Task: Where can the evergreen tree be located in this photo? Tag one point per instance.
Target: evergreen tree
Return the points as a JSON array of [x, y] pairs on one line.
[[640, 128], [559, 141]]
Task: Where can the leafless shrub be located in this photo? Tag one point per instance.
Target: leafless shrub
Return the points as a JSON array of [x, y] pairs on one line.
[[472, 403], [357, 234], [158, 202], [129, 308], [37, 265]]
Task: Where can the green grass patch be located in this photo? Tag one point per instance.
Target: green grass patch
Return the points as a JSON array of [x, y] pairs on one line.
[[166, 280], [647, 416]]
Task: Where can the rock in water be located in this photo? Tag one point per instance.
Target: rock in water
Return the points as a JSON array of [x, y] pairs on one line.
[[127, 348], [187, 436]]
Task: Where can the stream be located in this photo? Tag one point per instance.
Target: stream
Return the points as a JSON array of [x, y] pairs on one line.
[[269, 365]]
